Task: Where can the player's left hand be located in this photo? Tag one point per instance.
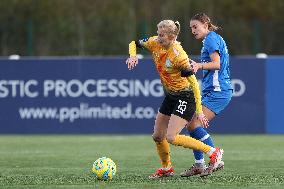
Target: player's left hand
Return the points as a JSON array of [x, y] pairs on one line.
[[203, 120]]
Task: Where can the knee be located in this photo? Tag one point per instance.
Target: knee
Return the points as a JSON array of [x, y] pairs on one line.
[[192, 125], [170, 138], [157, 138]]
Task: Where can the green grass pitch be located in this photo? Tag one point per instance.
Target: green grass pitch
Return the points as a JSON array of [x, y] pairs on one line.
[[65, 161]]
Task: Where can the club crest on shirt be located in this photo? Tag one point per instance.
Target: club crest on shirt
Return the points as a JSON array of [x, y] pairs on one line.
[[168, 63]]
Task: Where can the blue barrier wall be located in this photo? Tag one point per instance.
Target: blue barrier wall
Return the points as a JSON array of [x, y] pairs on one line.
[[99, 95], [274, 96]]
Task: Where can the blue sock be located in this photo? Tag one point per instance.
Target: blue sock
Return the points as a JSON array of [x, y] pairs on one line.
[[201, 134]]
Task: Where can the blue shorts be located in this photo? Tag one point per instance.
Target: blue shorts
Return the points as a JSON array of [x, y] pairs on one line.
[[216, 101]]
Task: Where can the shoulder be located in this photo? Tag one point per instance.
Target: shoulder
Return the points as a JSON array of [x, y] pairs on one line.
[[212, 40], [148, 39], [149, 42], [152, 39], [212, 36]]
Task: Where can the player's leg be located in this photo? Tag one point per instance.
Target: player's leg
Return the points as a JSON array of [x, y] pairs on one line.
[[159, 137], [183, 112], [213, 104], [175, 126], [199, 133], [162, 146]]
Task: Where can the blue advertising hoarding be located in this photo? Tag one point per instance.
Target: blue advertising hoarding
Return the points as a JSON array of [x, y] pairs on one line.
[[274, 96], [100, 95], [78, 96]]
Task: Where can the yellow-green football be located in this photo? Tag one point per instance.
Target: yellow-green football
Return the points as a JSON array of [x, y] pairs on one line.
[[104, 168]]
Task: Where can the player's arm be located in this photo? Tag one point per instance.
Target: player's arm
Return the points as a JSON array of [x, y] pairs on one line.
[[132, 61], [213, 65], [195, 88], [196, 91], [187, 71], [212, 47]]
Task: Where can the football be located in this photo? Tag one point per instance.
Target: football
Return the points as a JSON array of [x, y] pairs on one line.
[[104, 168]]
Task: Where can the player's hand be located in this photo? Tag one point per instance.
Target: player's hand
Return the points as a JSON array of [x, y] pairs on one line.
[[194, 66], [203, 120], [132, 62]]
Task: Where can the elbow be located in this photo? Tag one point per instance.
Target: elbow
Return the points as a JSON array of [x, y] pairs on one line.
[[217, 66]]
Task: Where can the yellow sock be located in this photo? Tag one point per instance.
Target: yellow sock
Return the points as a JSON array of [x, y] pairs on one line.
[[163, 149], [189, 142]]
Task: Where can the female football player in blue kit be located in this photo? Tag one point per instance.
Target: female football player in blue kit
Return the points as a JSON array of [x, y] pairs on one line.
[[216, 86]]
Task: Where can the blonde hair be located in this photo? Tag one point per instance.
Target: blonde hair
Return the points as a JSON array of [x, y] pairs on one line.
[[204, 19], [170, 27]]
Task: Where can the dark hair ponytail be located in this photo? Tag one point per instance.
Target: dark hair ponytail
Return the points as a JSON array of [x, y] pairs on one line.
[[203, 18]]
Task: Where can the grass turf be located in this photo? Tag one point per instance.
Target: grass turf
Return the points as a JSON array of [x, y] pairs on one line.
[[65, 161]]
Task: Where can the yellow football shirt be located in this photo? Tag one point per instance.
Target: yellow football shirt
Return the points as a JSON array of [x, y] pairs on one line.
[[169, 63]]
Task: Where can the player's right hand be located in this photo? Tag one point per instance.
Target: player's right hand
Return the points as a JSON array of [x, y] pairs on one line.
[[193, 65], [203, 120], [132, 62]]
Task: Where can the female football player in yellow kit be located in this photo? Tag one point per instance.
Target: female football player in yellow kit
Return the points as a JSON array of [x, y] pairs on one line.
[[182, 96]]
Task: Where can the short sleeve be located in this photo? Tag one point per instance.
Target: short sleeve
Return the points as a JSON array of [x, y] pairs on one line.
[[211, 44]]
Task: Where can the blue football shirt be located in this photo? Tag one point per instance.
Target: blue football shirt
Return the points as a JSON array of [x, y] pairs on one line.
[[215, 80]]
